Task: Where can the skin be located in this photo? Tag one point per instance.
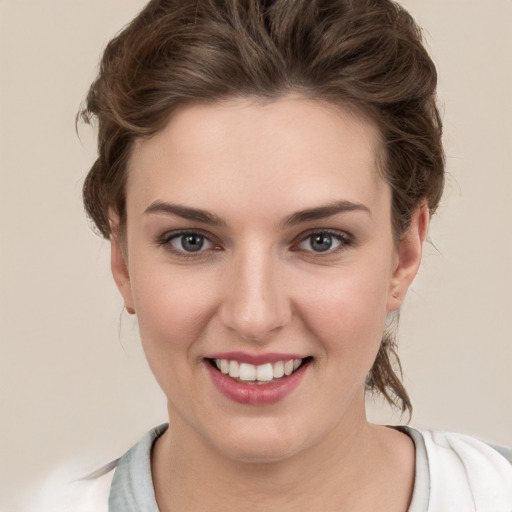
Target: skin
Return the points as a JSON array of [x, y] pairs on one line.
[[258, 286]]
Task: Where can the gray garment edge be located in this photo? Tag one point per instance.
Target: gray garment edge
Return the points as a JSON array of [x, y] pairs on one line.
[[421, 491], [506, 452], [132, 486]]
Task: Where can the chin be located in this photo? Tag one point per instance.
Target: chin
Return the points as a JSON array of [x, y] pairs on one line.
[[260, 443], [259, 453]]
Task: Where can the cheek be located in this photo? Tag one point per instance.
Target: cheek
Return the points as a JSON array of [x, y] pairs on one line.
[[347, 310], [172, 311]]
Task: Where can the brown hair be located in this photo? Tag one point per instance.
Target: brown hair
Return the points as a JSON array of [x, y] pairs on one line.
[[363, 54]]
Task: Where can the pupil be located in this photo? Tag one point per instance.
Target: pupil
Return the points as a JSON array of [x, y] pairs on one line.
[[321, 243], [192, 243]]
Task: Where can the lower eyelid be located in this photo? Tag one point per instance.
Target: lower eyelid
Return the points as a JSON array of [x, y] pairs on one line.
[[172, 238], [207, 243], [167, 239], [341, 238]]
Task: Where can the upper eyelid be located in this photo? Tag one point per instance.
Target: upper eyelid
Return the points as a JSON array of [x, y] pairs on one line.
[[344, 239], [167, 236], [334, 232], [165, 241]]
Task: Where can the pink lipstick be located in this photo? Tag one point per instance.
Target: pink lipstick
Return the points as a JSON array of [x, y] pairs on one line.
[[256, 379]]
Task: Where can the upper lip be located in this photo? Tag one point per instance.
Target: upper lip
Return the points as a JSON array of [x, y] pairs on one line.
[[255, 359]]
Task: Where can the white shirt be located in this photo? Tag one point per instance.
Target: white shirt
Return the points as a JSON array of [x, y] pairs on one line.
[[454, 473]]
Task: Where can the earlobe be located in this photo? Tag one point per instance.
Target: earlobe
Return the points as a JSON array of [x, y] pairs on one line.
[[409, 257], [120, 269]]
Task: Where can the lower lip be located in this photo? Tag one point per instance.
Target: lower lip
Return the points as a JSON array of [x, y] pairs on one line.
[[256, 394]]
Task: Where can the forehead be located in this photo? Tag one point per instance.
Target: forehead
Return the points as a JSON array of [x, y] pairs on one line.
[[242, 148]]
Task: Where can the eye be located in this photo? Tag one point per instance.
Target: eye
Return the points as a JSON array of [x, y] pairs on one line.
[[187, 242], [324, 242]]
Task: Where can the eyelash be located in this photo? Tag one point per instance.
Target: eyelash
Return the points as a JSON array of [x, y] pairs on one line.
[[166, 239], [344, 239], [344, 242]]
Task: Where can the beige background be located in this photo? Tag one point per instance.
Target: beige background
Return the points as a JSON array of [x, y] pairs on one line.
[[75, 388]]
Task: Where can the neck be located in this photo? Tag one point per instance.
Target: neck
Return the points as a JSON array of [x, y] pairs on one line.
[[347, 470]]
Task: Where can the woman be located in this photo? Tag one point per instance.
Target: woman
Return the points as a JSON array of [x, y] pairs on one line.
[[266, 175]]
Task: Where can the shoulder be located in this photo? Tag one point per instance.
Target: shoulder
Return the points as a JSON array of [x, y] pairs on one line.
[[466, 447], [124, 484], [464, 473], [477, 458], [61, 494]]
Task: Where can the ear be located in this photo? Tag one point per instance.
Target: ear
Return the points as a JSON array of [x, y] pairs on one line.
[[119, 266], [408, 257]]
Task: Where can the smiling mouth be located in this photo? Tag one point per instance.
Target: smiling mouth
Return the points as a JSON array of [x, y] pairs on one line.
[[258, 374]]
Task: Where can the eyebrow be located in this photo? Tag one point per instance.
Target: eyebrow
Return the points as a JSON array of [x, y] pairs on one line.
[[323, 212], [186, 212], [307, 215]]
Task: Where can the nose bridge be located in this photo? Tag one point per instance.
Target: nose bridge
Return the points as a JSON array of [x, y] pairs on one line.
[[256, 304]]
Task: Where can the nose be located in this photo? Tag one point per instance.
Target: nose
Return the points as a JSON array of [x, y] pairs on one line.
[[256, 303]]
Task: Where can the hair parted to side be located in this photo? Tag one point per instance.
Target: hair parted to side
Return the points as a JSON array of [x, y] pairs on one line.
[[366, 55]]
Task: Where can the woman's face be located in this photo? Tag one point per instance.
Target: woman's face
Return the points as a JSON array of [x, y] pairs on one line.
[[258, 234]]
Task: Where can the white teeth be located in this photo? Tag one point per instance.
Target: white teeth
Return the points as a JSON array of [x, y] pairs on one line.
[[261, 373], [224, 366], [278, 369], [264, 372], [234, 369], [247, 371]]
